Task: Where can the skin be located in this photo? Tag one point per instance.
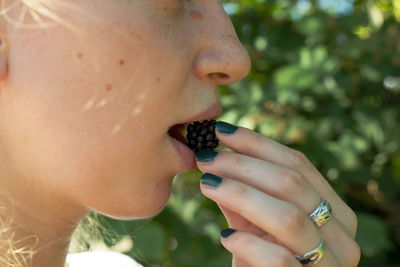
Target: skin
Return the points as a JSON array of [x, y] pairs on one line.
[[84, 115], [267, 193], [154, 67]]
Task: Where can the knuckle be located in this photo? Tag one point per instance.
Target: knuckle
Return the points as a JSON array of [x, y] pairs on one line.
[[293, 182], [258, 144], [238, 161], [297, 158], [353, 253], [356, 252], [349, 220], [259, 139], [357, 255], [353, 221], [293, 221], [238, 191], [241, 163]]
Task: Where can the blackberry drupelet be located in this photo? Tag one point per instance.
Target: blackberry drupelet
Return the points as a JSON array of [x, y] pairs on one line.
[[201, 135]]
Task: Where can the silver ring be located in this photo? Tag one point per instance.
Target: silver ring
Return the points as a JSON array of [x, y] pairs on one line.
[[321, 214], [313, 256]]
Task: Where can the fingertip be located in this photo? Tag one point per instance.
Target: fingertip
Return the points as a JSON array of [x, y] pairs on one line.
[[206, 156], [227, 232], [211, 180], [225, 128]]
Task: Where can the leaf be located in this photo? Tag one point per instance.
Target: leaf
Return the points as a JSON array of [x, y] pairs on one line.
[[396, 168], [294, 77], [150, 241], [310, 26], [371, 236]]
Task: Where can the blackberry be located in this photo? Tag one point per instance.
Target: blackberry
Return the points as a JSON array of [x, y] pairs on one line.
[[201, 135]]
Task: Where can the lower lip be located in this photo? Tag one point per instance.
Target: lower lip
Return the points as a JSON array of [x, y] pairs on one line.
[[187, 156]]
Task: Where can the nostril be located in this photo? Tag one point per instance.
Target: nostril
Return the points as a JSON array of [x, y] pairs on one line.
[[219, 75]]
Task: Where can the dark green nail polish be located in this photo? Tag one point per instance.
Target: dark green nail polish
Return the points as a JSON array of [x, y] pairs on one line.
[[225, 233], [211, 180], [206, 155], [225, 128]]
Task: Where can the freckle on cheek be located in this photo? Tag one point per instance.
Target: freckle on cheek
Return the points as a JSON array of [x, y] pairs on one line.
[[121, 62], [158, 79], [80, 55], [108, 87], [196, 15]]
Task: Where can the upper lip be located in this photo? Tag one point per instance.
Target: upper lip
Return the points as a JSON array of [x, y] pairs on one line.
[[211, 112]]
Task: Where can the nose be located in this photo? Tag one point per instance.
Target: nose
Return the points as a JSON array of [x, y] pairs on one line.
[[222, 59]]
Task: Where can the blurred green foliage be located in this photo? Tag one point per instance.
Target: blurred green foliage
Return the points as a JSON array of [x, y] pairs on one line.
[[325, 80]]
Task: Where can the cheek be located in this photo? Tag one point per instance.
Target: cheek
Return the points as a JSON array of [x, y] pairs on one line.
[[83, 120], [168, 8], [122, 174]]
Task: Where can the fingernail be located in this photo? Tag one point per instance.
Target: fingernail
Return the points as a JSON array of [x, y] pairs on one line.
[[206, 155], [227, 232], [211, 180], [225, 128]]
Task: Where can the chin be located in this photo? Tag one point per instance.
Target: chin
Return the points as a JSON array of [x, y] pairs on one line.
[[148, 204]]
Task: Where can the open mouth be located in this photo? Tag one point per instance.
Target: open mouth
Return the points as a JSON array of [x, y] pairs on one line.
[[185, 155], [199, 135], [177, 132]]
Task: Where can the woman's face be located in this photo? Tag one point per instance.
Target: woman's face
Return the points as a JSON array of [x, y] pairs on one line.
[[85, 114]]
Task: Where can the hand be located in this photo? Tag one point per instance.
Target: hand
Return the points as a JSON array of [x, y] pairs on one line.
[[266, 193]]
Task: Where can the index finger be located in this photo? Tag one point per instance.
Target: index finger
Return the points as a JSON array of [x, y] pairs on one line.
[[250, 143]]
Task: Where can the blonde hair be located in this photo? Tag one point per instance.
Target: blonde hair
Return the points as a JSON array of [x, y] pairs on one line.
[[91, 232], [13, 253]]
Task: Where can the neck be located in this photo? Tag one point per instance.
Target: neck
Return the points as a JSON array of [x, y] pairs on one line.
[[35, 232]]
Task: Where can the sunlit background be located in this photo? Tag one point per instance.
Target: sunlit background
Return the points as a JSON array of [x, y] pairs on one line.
[[325, 80]]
